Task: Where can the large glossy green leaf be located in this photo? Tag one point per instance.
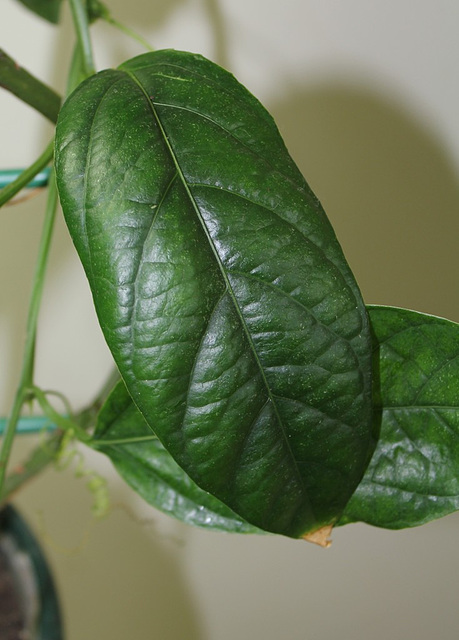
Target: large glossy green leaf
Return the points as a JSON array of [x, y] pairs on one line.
[[139, 457], [220, 287], [413, 476], [47, 9]]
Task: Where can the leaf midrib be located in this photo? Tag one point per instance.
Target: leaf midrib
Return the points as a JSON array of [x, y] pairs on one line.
[[317, 247], [394, 487], [299, 188], [416, 407], [227, 284], [234, 98]]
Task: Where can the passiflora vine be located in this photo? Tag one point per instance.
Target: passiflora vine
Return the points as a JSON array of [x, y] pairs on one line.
[[257, 391]]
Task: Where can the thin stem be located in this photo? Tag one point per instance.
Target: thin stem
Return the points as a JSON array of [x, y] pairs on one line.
[[64, 423], [128, 31], [76, 73], [31, 330], [27, 175], [38, 460], [80, 21], [7, 176], [46, 451]]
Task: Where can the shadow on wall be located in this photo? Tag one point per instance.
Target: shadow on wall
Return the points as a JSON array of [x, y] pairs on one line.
[[387, 185], [127, 583], [118, 577]]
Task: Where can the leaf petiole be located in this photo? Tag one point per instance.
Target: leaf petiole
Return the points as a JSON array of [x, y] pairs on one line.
[[81, 24], [29, 349], [105, 443], [128, 31]]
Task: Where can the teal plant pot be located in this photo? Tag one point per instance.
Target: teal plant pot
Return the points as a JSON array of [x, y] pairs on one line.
[[29, 607]]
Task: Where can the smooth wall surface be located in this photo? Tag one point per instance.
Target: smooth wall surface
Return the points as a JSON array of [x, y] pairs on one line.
[[367, 98]]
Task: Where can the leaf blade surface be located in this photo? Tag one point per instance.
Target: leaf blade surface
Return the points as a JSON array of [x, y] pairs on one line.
[[413, 476], [220, 287], [150, 470]]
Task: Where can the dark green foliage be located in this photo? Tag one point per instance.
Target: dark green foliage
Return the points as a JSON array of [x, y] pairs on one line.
[[413, 476], [147, 467], [220, 287]]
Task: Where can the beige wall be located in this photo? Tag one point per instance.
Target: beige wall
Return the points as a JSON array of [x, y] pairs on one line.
[[367, 97]]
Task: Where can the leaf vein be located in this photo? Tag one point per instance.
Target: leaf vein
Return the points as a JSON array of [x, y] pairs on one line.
[[227, 283]]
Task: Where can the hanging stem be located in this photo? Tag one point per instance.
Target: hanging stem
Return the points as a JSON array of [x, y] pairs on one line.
[[80, 21], [31, 331], [23, 392], [128, 31]]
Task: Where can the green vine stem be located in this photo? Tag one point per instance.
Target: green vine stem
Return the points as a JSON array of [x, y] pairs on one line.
[[127, 31], [38, 460], [23, 392], [27, 175], [81, 24], [27, 88], [7, 176], [48, 448], [29, 349]]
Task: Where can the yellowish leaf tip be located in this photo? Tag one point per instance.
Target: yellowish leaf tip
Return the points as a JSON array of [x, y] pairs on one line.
[[320, 536]]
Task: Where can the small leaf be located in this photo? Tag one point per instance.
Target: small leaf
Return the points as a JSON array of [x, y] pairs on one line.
[[147, 467], [47, 9], [413, 476], [221, 289]]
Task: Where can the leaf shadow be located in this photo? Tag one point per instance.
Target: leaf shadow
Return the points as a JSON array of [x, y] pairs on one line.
[[119, 576], [388, 185]]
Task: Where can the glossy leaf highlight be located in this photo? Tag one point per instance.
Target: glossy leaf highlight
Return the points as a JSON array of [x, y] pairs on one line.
[[139, 457], [413, 476], [221, 289]]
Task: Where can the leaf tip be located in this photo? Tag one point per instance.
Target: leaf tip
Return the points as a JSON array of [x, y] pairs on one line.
[[320, 536]]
